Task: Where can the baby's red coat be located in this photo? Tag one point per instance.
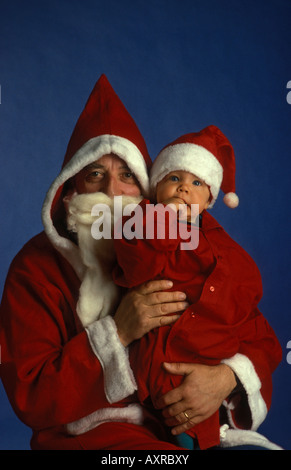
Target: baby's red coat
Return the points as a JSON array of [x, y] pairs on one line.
[[223, 286]]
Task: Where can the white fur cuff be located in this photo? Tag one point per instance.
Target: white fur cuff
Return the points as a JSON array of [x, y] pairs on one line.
[[233, 437], [131, 414], [119, 381], [246, 373]]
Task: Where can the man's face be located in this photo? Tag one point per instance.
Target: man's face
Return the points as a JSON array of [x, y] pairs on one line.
[[109, 175]]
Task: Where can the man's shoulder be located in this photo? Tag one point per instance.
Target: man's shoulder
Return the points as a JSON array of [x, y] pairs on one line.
[[38, 258], [39, 245], [40, 263]]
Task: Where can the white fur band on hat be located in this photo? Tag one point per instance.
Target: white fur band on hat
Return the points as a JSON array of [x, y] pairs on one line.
[[188, 157]]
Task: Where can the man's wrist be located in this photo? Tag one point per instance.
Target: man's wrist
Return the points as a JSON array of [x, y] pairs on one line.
[[239, 386], [232, 380]]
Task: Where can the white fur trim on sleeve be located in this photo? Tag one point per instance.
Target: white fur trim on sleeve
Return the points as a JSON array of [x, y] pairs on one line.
[[130, 414], [234, 437], [119, 381], [244, 369]]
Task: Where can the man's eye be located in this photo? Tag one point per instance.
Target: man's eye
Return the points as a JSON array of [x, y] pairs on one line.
[[129, 177], [93, 176], [197, 183], [174, 178]]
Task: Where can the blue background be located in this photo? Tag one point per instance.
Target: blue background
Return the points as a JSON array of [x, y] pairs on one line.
[[178, 66]]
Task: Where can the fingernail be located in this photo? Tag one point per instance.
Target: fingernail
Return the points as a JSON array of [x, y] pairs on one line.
[[169, 283], [182, 296]]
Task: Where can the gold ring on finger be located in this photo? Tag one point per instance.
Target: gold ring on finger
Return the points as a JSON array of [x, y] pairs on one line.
[[186, 415]]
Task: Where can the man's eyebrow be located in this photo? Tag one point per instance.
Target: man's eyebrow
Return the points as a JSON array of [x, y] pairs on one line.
[[98, 165], [93, 165], [125, 167]]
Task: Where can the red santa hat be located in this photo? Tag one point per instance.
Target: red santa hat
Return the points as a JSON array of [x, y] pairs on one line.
[[104, 127], [207, 154]]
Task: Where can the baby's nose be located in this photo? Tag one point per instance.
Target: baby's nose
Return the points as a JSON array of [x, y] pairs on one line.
[[183, 188]]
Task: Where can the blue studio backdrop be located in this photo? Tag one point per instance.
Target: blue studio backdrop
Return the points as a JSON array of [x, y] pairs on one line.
[[178, 66]]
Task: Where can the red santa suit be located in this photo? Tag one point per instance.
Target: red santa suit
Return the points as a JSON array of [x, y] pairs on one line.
[[73, 385], [223, 288], [62, 379]]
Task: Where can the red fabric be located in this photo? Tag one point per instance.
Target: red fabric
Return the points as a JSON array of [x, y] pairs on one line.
[[223, 287], [46, 355], [104, 113], [109, 436], [49, 371]]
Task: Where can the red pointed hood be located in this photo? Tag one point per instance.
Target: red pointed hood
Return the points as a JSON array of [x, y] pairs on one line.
[[104, 127], [105, 115]]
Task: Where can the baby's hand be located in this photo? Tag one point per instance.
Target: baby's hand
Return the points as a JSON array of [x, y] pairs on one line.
[[178, 204]]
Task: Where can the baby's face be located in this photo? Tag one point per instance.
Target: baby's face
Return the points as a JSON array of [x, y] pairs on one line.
[[184, 187]]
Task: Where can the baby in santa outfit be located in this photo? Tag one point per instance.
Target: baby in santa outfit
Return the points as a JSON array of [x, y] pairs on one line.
[[221, 281]]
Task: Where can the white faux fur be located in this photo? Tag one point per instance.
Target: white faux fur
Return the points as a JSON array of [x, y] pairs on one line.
[[188, 157], [231, 200], [246, 373], [234, 437], [130, 414], [91, 151], [119, 381], [99, 296]]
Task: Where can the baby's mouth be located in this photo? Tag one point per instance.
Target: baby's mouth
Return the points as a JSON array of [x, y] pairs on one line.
[[185, 202]]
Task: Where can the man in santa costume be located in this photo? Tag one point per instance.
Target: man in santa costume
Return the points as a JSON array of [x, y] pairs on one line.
[[221, 281], [72, 383]]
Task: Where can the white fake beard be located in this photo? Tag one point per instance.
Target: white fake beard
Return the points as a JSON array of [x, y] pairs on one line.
[[98, 295]]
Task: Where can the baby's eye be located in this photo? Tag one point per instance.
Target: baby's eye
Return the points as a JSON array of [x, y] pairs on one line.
[[174, 178], [197, 183]]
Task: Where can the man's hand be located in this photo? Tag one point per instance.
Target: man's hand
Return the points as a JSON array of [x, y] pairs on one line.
[[201, 393], [147, 307]]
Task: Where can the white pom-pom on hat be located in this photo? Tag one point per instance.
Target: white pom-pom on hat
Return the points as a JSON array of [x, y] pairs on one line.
[[231, 200]]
